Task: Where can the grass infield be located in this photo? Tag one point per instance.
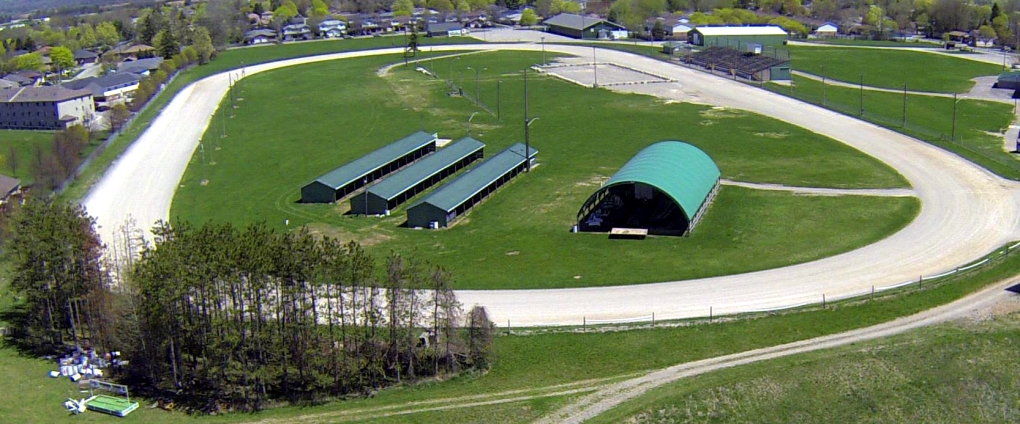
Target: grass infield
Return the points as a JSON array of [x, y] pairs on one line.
[[584, 136]]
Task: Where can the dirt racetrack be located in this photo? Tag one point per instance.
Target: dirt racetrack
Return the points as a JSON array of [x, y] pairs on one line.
[[966, 211]]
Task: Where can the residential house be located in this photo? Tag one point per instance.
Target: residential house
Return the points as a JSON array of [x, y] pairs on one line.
[[82, 57], [259, 36], [45, 108], [19, 80], [332, 28], [675, 26], [9, 187], [449, 29], [827, 30], [141, 66], [136, 51], [297, 32], [108, 90], [583, 27]]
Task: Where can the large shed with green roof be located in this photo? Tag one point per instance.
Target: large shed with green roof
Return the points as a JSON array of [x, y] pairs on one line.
[[455, 198], [414, 179], [665, 189], [1008, 80], [340, 182]]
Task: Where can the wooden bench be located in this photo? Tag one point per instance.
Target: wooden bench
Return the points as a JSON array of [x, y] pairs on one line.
[[636, 233]]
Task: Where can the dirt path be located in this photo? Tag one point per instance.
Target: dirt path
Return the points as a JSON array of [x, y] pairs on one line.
[[814, 191], [976, 305], [966, 211]]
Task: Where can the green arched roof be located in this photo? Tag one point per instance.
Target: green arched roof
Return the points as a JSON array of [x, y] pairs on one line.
[[680, 170]]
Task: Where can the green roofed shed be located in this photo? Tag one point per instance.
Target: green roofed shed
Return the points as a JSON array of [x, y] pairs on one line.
[[1009, 80], [414, 179], [664, 188], [341, 181], [458, 196]]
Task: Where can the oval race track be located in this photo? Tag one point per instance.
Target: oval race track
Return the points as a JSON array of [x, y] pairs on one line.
[[966, 211]]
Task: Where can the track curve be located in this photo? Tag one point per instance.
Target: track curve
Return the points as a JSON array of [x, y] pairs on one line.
[[966, 211]]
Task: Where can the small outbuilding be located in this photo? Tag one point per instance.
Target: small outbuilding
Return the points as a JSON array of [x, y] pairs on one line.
[[583, 27], [444, 29], [827, 30], [664, 189]]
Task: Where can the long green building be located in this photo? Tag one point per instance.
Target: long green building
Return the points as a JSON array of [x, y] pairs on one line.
[[737, 37]]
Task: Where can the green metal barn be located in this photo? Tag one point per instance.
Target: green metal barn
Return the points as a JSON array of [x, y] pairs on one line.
[[737, 37], [664, 189]]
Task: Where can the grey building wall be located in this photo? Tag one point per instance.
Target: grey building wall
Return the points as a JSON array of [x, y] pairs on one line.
[[45, 115]]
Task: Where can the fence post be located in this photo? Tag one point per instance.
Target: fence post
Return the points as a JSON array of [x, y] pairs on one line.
[[584, 324], [709, 314], [823, 300], [920, 281], [653, 319], [872, 292], [508, 327]]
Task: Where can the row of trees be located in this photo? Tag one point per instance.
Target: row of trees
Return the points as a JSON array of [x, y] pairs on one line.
[[217, 317], [200, 53]]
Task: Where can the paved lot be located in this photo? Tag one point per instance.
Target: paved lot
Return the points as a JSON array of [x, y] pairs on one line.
[[966, 210]]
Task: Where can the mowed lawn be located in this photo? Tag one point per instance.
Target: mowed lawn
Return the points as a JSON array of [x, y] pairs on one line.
[[889, 68], [977, 126], [296, 124], [22, 144]]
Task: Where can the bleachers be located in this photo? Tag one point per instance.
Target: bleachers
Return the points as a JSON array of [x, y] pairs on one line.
[[747, 65]]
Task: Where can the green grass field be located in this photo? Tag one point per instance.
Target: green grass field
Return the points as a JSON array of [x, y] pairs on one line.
[[963, 373], [977, 126], [25, 144], [891, 68], [256, 173]]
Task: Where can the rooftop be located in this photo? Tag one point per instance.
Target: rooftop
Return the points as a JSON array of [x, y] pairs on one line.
[[451, 195], [425, 168], [362, 166], [740, 30], [40, 94]]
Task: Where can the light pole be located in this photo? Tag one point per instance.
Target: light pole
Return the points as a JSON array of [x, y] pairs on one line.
[[527, 126], [904, 105], [823, 85], [544, 62], [498, 84], [469, 123], [954, 117], [595, 66], [862, 94], [477, 99]]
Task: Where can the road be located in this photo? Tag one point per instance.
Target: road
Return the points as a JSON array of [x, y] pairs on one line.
[[966, 211]]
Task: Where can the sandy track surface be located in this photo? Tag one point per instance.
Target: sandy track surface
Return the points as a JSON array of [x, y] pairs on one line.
[[815, 191], [976, 305], [966, 211]]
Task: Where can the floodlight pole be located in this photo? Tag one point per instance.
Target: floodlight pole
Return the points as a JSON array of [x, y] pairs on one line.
[[527, 126], [954, 116], [477, 99], [904, 105], [469, 123], [498, 84], [595, 67], [862, 94], [823, 85], [543, 52]]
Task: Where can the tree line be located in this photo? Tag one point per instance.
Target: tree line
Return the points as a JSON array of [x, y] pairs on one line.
[[221, 318]]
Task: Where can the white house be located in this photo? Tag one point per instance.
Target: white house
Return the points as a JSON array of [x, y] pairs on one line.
[[332, 28], [827, 30]]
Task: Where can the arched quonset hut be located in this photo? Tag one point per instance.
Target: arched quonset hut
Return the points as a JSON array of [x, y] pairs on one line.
[[665, 189]]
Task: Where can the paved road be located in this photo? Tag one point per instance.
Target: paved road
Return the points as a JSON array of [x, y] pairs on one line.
[[966, 210]]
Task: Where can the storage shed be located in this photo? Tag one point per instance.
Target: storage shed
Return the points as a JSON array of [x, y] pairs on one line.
[[414, 179], [736, 37], [583, 27], [344, 180], [664, 189], [458, 196]]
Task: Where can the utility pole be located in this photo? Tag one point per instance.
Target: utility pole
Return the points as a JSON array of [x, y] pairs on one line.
[[595, 66], [498, 84], [527, 126], [954, 116], [862, 94], [904, 105], [823, 85]]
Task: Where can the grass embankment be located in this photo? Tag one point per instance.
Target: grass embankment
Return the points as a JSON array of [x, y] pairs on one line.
[[256, 173], [962, 373], [888, 68], [977, 126], [232, 59], [537, 361]]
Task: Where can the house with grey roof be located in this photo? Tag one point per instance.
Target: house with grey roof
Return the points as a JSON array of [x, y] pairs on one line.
[[108, 90], [259, 36], [332, 28], [82, 57], [45, 108], [140, 66], [295, 32], [580, 26], [449, 29]]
